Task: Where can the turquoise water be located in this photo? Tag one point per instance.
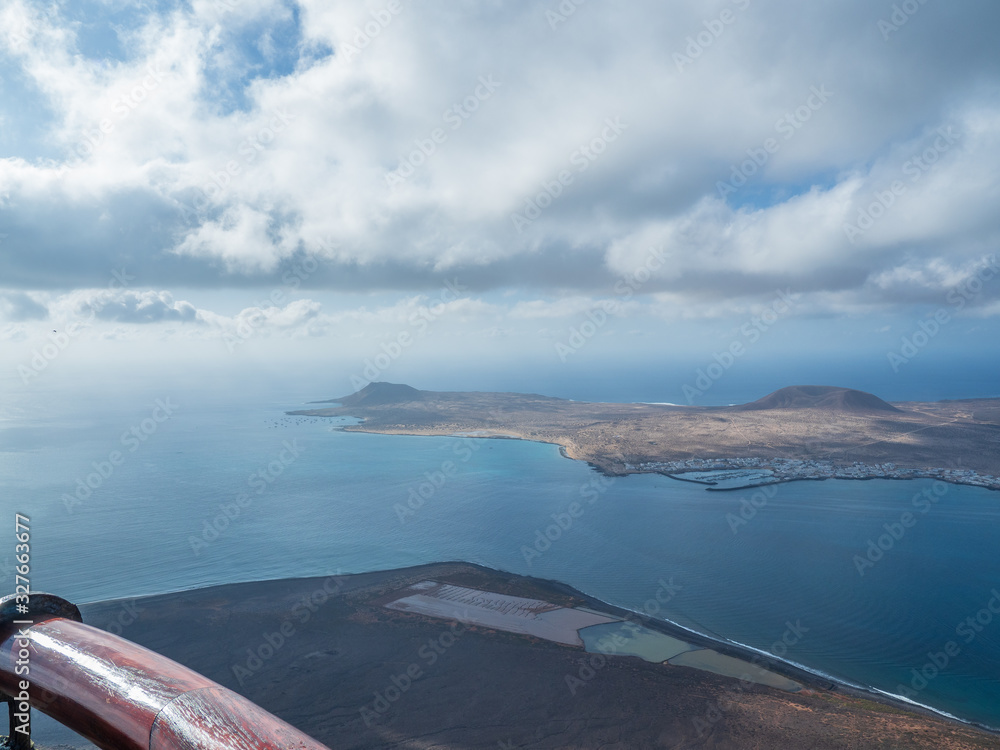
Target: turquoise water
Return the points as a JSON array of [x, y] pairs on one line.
[[333, 501], [633, 640]]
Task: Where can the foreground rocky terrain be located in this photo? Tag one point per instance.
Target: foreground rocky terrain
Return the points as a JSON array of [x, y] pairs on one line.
[[327, 656]]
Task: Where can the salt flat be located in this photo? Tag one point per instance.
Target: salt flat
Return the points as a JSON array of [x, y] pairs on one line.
[[513, 614]]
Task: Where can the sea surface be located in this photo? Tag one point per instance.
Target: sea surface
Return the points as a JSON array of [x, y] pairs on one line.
[[225, 491]]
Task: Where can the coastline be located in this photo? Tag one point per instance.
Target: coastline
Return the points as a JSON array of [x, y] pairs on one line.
[[792, 434], [802, 673], [735, 649], [811, 678], [720, 464], [365, 593]]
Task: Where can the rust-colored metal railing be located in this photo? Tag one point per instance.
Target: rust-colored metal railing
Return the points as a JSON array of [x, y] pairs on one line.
[[119, 695]]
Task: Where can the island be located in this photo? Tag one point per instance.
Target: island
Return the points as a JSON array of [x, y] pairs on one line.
[[795, 433]]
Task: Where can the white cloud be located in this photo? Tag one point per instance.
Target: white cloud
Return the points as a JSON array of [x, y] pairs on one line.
[[211, 192], [16, 306], [123, 305]]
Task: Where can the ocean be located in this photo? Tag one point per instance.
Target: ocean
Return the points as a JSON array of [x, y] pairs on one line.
[[170, 491]]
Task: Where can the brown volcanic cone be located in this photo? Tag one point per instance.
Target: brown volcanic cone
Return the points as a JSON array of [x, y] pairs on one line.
[[375, 394], [819, 397]]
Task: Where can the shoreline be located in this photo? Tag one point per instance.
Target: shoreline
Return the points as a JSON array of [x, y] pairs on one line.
[[811, 678], [720, 643], [674, 474], [394, 578]]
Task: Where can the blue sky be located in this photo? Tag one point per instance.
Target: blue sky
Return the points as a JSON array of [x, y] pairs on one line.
[[231, 183]]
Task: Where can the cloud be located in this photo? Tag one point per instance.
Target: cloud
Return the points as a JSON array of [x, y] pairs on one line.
[[224, 143], [18, 306], [127, 306], [242, 238], [260, 319]]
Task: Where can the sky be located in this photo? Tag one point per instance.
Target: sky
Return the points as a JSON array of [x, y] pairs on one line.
[[684, 201]]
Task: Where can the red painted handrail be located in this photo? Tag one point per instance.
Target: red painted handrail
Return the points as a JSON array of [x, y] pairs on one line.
[[121, 696]]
